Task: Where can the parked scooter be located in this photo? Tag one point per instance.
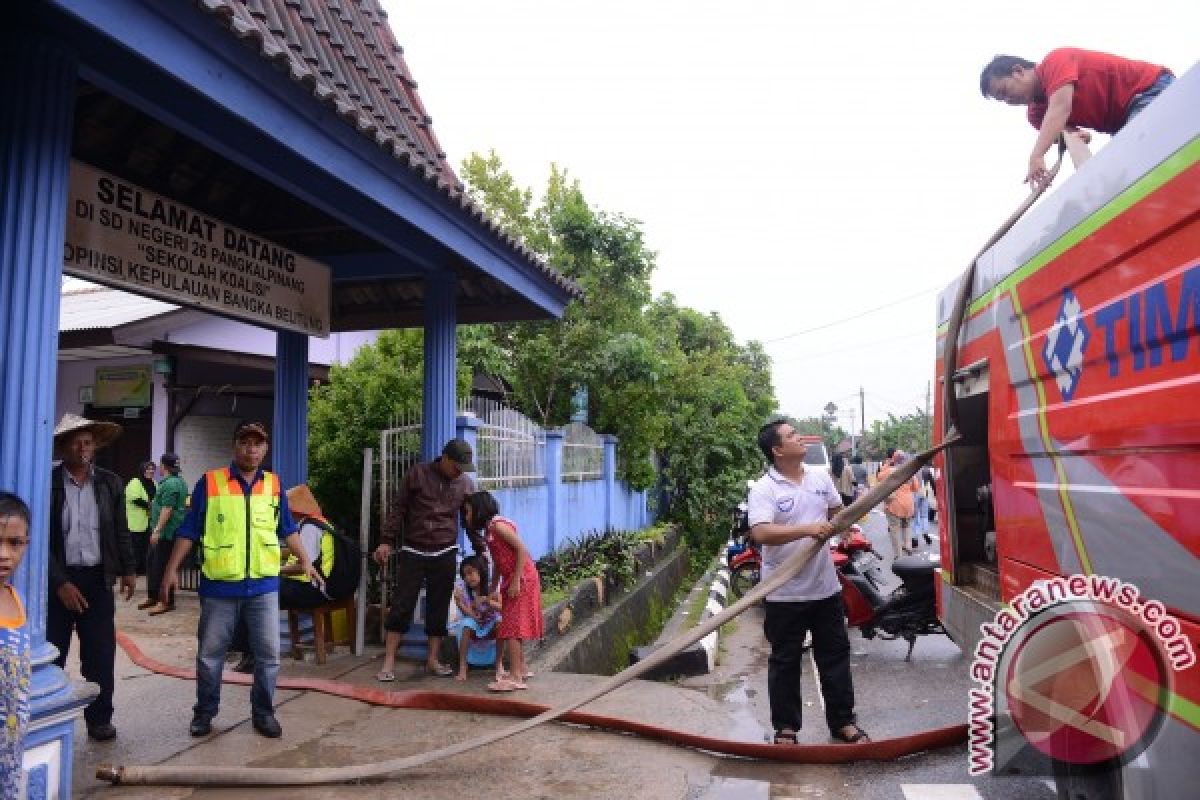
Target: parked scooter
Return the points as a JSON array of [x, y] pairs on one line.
[[907, 612], [743, 556]]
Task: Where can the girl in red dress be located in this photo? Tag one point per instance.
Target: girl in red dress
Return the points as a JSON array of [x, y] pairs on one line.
[[517, 579]]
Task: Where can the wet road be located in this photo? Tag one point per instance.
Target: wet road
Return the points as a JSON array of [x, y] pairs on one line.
[[894, 697]]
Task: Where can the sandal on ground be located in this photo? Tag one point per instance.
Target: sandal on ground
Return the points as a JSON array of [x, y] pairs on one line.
[[503, 686], [441, 670], [385, 676], [785, 737], [859, 735]]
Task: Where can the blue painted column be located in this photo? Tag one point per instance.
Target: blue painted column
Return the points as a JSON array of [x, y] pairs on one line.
[[467, 428], [609, 475], [554, 487], [438, 399], [38, 90], [289, 434]]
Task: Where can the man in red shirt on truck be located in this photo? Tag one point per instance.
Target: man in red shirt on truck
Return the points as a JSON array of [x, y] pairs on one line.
[[1070, 89]]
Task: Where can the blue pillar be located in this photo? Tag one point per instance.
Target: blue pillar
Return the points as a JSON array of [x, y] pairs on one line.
[[554, 459], [609, 475], [38, 90], [289, 434], [438, 414], [467, 428]]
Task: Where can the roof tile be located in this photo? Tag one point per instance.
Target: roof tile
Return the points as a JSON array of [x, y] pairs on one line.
[[345, 53]]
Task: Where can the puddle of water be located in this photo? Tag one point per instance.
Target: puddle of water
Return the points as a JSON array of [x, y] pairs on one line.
[[735, 789], [743, 725]]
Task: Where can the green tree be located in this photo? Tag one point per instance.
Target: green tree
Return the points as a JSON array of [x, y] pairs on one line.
[[908, 432], [824, 426], [665, 379], [719, 394], [603, 342]]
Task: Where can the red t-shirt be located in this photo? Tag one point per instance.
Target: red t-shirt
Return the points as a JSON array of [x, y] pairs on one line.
[[1104, 86]]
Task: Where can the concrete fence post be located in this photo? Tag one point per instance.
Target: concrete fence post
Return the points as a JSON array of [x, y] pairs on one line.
[[554, 492], [609, 476], [466, 427]]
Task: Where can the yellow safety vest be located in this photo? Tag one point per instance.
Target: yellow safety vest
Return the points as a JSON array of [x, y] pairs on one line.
[[138, 518], [325, 559], [241, 538]]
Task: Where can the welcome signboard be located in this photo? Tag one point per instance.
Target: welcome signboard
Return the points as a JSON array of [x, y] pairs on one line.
[[132, 239]]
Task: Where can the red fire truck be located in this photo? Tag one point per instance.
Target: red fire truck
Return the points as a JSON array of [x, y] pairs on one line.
[[1078, 386]]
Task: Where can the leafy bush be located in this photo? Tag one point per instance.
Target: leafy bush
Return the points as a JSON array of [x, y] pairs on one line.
[[595, 554]]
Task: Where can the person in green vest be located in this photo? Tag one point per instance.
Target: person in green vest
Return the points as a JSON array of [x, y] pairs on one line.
[[296, 591], [166, 514], [238, 519], [139, 494]]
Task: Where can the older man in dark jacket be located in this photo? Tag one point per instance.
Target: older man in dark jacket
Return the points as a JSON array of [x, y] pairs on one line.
[[89, 547]]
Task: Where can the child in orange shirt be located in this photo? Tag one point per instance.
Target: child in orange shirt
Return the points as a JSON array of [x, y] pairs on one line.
[[14, 644]]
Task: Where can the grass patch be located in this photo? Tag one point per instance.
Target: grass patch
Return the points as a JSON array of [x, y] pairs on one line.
[[695, 607], [552, 596]]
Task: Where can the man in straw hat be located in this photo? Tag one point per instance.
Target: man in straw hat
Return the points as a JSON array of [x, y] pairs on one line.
[[89, 548], [238, 518]]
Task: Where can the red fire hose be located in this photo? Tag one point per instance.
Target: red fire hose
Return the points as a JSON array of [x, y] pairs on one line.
[[879, 750]]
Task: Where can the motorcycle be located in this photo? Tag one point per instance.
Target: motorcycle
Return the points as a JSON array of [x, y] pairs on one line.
[[742, 555], [906, 612]]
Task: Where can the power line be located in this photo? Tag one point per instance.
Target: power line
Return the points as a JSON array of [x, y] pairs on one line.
[[823, 353], [859, 315]]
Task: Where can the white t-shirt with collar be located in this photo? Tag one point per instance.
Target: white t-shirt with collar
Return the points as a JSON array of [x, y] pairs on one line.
[[777, 499]]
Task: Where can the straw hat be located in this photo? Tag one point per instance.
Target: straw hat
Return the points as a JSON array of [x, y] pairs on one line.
[[103, 432], [302, 503]]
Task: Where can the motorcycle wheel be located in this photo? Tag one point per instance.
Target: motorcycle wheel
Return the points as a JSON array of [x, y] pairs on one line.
[[743, 578]]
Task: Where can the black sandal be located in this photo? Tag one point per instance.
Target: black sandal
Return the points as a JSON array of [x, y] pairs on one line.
[[859, 735], [785, 737]]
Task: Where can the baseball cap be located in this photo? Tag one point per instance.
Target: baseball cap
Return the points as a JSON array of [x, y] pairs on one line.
[[458, 451], [251, 428], [169, 460]]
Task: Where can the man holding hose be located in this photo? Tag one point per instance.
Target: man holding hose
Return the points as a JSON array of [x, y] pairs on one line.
[[788, 505]]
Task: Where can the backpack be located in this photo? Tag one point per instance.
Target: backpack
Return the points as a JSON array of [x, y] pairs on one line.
[[343, 580]]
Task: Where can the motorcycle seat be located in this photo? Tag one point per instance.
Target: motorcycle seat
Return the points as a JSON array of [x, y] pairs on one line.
[[914, 568]]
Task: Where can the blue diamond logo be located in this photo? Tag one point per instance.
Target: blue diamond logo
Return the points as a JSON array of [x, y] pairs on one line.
[[1066, 342]]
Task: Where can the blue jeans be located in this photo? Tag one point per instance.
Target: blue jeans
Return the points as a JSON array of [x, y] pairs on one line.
[[1143, 99], [921, 516], [218, 618]]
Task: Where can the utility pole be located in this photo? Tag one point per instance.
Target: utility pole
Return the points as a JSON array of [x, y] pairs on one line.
[[862, 406]]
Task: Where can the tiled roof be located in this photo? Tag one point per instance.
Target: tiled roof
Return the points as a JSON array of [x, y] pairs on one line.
[[344, 52], [86, 306]]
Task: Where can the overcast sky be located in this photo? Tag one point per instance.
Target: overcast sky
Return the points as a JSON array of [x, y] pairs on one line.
[[793, 163]]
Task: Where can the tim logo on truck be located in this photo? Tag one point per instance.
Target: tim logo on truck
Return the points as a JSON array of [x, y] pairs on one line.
[[1066, 342], [1080, 668]]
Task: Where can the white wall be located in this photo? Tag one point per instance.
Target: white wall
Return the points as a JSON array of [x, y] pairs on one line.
[[222, 334]]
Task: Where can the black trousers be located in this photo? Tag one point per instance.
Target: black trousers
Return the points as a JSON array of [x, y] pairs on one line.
[[785, 626], [156, 565], [437, 573], [141, 550], [97, 636]]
